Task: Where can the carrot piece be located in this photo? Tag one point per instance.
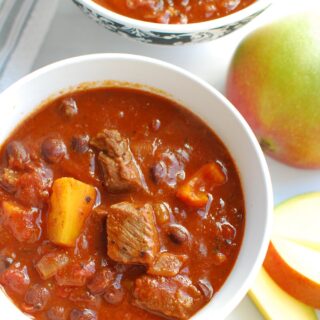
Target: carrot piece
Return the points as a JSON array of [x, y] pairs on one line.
[[194, 192]]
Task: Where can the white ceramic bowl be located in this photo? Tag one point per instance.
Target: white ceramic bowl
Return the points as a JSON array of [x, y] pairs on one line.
[[23, 97], [171, 34]]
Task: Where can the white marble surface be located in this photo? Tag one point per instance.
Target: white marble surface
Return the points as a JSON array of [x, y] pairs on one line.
[[72, 34]]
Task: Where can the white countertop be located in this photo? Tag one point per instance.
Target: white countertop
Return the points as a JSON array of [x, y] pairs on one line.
[[71, 34]]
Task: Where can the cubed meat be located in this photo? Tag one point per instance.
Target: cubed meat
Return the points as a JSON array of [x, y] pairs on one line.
[[174, 297], [121, 172], [16, 279], [132, 234], [167, 264], [30, 187], [22, 222], [33, 186]]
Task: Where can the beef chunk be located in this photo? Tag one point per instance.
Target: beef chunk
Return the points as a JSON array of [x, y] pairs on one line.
[[132, 233], [22, 222], [167, 264], [175, 297], [120, 171], [33, 186]]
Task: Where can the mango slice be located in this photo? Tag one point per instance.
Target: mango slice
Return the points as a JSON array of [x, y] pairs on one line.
[[275, 304]]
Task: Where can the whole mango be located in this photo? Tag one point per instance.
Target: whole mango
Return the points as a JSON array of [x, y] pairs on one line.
[[274, 81]]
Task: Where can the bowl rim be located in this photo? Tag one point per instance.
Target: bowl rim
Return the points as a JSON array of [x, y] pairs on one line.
[[235, 17], [261, 160]]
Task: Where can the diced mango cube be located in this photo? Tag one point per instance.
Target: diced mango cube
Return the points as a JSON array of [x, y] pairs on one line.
[[71, 204]]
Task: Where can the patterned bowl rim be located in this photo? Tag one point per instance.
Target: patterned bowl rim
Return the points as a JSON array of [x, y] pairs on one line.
[[255, 7]]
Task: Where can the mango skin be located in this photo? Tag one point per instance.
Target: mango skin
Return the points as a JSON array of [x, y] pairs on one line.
[[274, 81]]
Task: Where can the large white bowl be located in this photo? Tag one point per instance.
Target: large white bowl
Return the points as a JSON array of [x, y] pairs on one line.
[[23, 97], [171, 34]]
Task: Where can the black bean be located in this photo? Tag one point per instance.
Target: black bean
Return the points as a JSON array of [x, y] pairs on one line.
[[56, 313], [85, 314], [158, 172], [37, 297], [178, 234], [53, 150], [206, 288], [69, 107], [80, 143], [101, 281], [17, 155]]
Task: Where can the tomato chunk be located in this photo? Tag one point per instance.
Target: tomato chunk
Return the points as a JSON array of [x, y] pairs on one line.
[[22, 222], [194, 192]]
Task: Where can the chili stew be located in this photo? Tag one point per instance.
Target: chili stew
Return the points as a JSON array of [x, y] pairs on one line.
[[175, 12], [116, 203]]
